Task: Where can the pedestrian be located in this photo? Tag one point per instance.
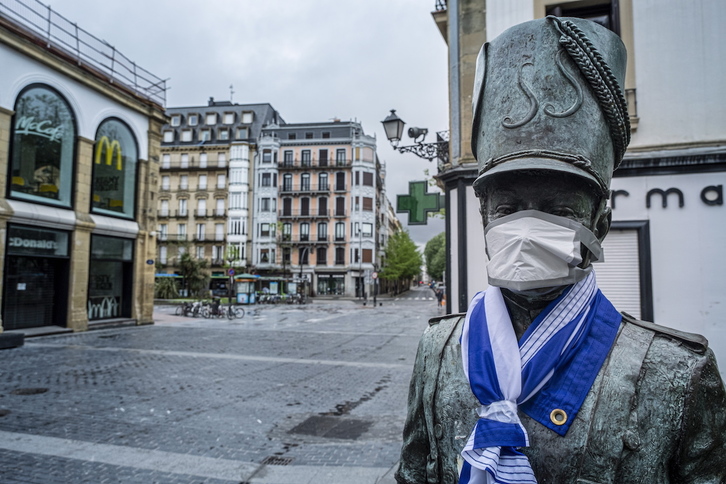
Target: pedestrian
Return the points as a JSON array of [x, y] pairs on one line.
[[439, 297], [543, 380]]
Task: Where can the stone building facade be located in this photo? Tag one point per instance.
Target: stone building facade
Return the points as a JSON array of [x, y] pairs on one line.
[[79, 151]]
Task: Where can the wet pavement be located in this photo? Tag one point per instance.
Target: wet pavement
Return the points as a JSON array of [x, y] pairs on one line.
[[288, 394]]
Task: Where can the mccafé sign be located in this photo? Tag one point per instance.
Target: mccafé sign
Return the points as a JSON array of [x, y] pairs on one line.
[[29, 126]]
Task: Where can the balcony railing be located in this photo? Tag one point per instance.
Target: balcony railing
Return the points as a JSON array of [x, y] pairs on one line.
[[97, 55], [304, 214], [303, 188], [301, 165], [172, 237], [192, 165]]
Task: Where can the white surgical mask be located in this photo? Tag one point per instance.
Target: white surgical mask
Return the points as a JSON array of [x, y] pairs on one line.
[[532, 250]]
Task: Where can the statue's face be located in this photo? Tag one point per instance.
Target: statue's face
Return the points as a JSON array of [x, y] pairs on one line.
[[547, 191]]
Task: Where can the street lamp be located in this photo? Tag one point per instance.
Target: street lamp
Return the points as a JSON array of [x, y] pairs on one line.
[[393, 126], [303, 251]]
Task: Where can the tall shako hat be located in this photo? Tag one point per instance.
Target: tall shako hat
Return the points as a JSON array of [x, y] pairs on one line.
[[547, 95]]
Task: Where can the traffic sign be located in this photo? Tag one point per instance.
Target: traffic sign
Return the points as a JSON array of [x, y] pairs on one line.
[[374, 275], [230, 272]]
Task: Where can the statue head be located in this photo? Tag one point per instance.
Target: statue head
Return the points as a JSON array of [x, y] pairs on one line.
[[550, 121]]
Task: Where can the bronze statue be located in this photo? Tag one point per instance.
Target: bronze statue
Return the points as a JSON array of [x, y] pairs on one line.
[[542, 380]]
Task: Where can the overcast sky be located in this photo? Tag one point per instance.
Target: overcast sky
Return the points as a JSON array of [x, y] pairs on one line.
[[312, 60]]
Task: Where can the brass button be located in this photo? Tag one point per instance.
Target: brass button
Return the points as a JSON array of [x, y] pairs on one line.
[[558, 416]]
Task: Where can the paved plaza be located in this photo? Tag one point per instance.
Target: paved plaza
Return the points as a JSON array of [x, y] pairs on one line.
[[288, 394]]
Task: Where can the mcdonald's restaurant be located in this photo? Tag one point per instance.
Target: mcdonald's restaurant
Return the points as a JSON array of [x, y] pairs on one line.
[[77, 189]]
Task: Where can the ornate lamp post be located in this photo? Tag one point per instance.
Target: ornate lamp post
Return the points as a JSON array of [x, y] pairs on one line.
[[393, 126]]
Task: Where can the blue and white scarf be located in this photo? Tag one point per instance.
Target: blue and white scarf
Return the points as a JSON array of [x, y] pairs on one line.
[[552, 367]]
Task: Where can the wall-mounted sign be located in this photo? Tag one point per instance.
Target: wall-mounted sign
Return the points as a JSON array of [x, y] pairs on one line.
[[36, 242], [419, 203]]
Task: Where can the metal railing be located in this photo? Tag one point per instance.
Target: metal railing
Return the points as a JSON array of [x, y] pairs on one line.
[[86, 49], [441, 5]]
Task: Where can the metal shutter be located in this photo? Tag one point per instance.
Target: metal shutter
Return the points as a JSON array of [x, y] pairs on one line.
[[619, 276]]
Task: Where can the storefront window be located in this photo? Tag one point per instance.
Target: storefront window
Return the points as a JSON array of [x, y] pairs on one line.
[[114, 169], [44, 133], [109, 285]]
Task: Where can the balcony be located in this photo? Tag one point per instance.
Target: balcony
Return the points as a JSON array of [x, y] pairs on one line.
[[306, 165], [193, 165], [307, 189], [162, 213], [171, 238], [295, 214], [180, 214], [339, 214]]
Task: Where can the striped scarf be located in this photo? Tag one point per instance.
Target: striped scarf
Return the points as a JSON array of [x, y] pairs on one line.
[[507, 376]]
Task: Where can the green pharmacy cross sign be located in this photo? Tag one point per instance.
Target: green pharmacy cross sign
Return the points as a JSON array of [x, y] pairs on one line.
[[419, 202]]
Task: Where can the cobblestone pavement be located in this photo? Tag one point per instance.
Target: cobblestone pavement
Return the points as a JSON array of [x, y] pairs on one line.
[[288, 394]]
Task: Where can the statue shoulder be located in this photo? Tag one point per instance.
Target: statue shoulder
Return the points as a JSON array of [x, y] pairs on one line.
[[695, 342], [446, 318]]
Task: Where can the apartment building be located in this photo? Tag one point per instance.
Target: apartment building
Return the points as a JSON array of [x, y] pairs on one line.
[[205, 171], [318, 199], [79, 144]]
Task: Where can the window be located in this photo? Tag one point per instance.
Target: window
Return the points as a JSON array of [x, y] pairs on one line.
[[326, 134], [186, 135], [223, 134], [221, 160], [287, 206], [219, 207], [305, 182], [287, 231], [304, 232], [323, 157], [367, 229], [205, 134], [367, 255], [265, 256], [109, 275], [165, 182], [286, 255], [340, 181], [323, 182], [603, 13], [305, 157], [218, 231], [211, 119], [235, 201], [228, 118], [176, 120], [44, 138], [182, 231], [305, 206], [287, 182], [193, 120], [323, 206], [339, 231], [236, 176], [302, 255], [183, 182], [202, 207], [308, 135], [200, 252], [357, 178], [202, 160], [221, 181], [287, 157], [291, 136], [322, 231], [235, 226], [321, 256], [267, 204], [184, 161], [164, 210], [264, 230], [202, 183], [367, 179], [340, 156], [266, 156], [242, 133], [166, 161], [217, 253], [247, 117], [367, 204], [163, 231], [339, 256], [182, 207], [340, 206], [162, 254], [201, 229], [168, 136], [266, 179]]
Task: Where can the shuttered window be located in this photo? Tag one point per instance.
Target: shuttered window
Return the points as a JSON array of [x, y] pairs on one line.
[[619, 275]]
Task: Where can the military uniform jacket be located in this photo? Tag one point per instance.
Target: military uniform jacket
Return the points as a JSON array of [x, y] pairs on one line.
[[655, 414]]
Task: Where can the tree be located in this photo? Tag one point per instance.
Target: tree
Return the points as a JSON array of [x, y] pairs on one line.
[[192, 270], [402, 262], [435, 256], [166, 288]]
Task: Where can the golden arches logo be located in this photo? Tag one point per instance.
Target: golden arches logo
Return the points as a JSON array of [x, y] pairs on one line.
[[111, 147]]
